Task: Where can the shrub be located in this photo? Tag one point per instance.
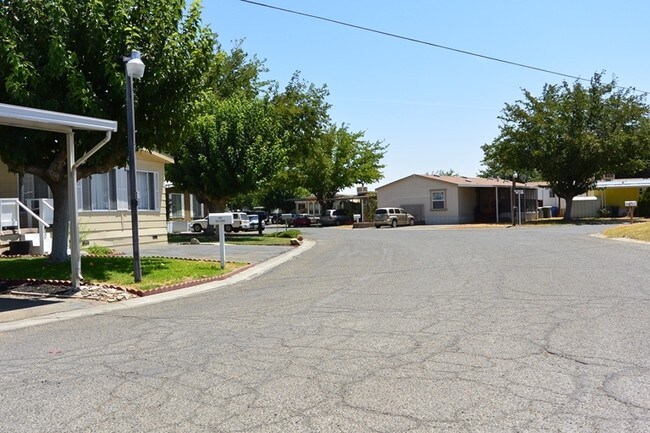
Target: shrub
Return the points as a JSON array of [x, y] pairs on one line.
[[643, 205], [291, 233], [98, 250]]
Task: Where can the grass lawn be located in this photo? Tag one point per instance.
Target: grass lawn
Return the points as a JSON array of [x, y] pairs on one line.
[[281, 238], [638, 231], [118, 271]]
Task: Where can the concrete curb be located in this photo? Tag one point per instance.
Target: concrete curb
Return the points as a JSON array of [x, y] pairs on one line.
[[250, 273]]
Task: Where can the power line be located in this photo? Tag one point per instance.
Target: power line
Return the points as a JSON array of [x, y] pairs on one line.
[[431, 44]]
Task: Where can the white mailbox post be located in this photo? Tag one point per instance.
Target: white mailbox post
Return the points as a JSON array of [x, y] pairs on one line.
[[630, 205], [221, 219]]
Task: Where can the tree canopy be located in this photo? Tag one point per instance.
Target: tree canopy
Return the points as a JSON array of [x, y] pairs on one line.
[[234, 145], [66, 56], [571, 135], [340, 159]]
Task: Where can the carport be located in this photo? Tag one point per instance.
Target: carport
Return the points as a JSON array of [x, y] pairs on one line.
[[52, 121]]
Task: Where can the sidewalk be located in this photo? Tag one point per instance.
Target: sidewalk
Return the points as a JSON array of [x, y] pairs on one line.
[[18, 312]]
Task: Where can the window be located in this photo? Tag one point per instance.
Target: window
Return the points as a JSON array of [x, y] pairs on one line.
[[176, 208], [147, 186], [438, 200], [196, 207], [109, 191]]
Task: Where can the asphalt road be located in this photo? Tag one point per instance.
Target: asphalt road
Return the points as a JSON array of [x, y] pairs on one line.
[[392, 330]]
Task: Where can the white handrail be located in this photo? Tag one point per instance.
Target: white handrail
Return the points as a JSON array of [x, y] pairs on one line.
[[18, 204], [41, 223]]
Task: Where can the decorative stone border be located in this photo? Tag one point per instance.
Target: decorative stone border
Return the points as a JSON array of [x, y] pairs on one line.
[[186, 284], [132, 291]]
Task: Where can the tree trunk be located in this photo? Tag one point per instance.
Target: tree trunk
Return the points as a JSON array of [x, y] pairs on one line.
[[569, 205], [61, 220], [216, 205]]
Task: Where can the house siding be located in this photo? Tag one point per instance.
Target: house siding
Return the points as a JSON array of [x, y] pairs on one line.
[[8, 182], [618, 196], [113, 228], [415, 191]]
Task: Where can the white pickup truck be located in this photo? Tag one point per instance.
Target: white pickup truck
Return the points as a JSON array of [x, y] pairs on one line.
[[239, 222]]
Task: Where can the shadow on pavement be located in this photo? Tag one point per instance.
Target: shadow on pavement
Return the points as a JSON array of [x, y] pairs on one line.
[[10, 304]]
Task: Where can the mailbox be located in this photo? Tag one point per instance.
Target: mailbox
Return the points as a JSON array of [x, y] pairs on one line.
[[219, 218]]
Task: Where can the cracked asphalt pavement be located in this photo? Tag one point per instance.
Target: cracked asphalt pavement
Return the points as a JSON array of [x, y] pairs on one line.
[[393, 330]]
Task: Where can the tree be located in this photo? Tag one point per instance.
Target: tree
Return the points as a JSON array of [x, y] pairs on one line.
[[571, 135], [450, 172], [340, 159], [233, 147], [643, 206], [65, 55]]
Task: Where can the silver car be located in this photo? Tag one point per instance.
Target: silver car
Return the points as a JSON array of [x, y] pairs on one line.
[[393, 217]]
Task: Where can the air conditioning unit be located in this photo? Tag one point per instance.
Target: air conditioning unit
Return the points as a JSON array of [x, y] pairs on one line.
[[362, 190]]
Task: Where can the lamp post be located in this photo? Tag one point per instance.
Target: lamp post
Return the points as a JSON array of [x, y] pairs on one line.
[[133, 68], [512, 198]]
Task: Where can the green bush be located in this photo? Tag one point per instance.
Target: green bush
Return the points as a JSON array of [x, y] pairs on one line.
[[643, 205], [98, 250], [291, 233]]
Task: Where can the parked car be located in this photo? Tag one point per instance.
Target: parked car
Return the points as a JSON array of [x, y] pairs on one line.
[[393, 217], [335, 217], [300, 220], [280, 218], [254, 221], [260, 210], [239, 222]]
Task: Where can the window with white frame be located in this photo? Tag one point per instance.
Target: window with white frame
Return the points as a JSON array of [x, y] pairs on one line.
[[438, 199], [147, 185], [176, 205], [109, 191], [196, 207]]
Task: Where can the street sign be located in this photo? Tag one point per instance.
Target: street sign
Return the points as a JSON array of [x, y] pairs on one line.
[[631, 203], [519, 191]]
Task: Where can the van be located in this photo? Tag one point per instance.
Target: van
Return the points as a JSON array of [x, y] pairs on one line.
[[335, 217]]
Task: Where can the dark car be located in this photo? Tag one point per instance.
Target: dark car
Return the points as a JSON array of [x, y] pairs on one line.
[[301, 220]]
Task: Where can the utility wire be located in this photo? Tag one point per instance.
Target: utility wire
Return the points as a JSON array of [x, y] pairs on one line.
[[431, 44]]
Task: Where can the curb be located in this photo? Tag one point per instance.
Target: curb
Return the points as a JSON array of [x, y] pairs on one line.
[[249, 272]]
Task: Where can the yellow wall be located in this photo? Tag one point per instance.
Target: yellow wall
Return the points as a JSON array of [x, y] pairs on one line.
[[8, 183], [617, 196]]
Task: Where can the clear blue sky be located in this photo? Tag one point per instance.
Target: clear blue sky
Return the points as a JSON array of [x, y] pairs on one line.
[[436, 108]]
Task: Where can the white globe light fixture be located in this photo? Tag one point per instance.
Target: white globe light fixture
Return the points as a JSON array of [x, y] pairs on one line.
[[134, 66]]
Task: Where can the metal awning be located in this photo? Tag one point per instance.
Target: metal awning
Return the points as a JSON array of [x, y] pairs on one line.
[[53, 121], [33, 118]]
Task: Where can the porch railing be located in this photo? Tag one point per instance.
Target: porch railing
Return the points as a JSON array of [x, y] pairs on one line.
[[10, 217]]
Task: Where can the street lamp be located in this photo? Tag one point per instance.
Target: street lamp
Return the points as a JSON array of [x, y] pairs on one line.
[[133, 68], [512, 198]]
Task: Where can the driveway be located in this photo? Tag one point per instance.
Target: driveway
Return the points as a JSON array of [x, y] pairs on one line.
[[390, 330]]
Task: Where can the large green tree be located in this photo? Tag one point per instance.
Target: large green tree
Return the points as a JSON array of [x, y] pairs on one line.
[[571, 135], [340, 159], [65, 55], [234, 145]]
